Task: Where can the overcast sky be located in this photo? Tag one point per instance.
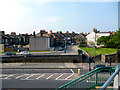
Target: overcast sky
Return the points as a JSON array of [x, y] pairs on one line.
[[26, 16]]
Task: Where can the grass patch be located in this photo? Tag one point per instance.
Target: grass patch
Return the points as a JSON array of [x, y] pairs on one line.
[[1, 52], [105, 51]]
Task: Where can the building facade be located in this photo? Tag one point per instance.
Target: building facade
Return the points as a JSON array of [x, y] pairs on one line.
[[39, 43], [92, 37]]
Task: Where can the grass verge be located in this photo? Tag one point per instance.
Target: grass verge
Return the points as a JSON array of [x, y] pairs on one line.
[[98, 51]]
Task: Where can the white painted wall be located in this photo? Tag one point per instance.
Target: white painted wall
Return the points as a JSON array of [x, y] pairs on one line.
[[91, 36]]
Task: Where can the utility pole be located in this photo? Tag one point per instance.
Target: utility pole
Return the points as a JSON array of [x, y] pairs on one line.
[[95, 31], [65, 46], [90, 60]]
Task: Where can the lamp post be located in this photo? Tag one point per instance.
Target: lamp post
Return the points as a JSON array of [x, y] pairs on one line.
[[65, 46], [95, 31], [90, 60], [109, 60]]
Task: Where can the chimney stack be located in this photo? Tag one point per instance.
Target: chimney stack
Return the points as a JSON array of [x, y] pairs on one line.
[[34, 34], [67, 32], [50, 32]]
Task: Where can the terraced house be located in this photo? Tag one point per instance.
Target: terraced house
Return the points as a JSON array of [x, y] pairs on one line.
[[58, 38], [11, 41]]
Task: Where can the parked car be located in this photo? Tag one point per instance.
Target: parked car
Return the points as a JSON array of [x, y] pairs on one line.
[[25, 53], [62, 45], [99, 65], [52, 48], [74, 43], [60, 48], [10, 53]]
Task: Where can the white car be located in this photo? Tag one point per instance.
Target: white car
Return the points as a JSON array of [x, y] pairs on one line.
[[60, 48], [25, 53]]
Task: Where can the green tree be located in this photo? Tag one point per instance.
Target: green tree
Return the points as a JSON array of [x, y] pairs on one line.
[[110, 41], [22, 42], [82, 44], [118, 38], [103, 40]]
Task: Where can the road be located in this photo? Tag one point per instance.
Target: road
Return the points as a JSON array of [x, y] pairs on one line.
[[37, 78]]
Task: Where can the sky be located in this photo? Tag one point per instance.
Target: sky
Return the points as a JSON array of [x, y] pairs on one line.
[[26, 16]]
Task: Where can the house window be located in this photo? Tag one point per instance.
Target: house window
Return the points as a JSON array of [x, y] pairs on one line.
[[11, 40], [6, 40], [3, 40]]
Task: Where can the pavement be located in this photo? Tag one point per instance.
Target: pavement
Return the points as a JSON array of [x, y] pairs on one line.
[[51, 65], [38, 65]]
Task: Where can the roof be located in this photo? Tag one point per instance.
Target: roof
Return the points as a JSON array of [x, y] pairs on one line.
[[55, 35], [60, 35]]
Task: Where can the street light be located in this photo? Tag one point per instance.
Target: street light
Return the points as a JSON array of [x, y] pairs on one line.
[[109, 60], [95, 31], [90, 60], [65, 46]]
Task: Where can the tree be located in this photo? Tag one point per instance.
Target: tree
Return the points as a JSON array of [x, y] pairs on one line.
[[110, 41], [22, 42], [118, 38], [103, 40], [73, 39]]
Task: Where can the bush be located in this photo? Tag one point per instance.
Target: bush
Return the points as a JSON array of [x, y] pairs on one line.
[[82, 44]]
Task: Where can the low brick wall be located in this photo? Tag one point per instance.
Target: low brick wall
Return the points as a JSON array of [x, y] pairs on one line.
[[113, 57], [44, 58]]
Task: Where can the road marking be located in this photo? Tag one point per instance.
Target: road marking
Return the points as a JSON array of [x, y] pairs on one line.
[[69, 76], [40, 76], [0, 75], [19, 76], [35, 74], [90, 81], [72, 71], [8, 76], [67, 79], [59, 77], [29, 76], [26, 74], [49, 76]]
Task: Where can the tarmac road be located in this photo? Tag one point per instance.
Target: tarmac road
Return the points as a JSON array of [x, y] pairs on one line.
[[37, 78]]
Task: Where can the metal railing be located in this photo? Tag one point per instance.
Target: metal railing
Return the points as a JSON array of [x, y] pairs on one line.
[[111, 78], [88, 80]]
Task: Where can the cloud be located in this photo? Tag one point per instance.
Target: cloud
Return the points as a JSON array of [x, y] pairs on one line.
[[10, 11], [55, 18]]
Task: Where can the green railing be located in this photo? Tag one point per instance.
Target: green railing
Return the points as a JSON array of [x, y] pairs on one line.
[[90, 79]]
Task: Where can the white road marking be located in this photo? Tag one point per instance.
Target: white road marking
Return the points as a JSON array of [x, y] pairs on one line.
[[69, 76], [72, 71], [59, 77], [26, 74], [29, 76], [49, 76], [40, 76], [0, 75], [67, 79], [90, 81], [8, 76], [19, 76]]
